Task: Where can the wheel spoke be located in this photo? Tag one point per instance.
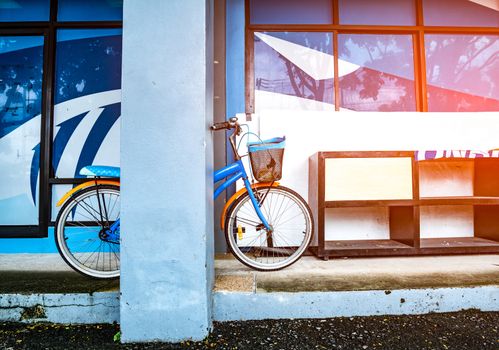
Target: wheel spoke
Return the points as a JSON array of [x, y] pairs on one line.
[[291, 222]]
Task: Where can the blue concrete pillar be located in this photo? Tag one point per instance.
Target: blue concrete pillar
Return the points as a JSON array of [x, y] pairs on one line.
[[166, 159]]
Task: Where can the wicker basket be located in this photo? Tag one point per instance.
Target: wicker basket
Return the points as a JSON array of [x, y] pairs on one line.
[[266, 159]]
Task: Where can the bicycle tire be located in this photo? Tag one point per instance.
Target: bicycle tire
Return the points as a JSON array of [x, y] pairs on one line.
[[286, 244], [80, 239]]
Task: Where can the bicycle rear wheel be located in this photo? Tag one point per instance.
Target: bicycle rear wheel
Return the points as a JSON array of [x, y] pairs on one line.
[[81, 231], [292, 226]]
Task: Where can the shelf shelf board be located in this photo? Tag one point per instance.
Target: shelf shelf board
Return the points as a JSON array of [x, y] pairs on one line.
[[425, 201], [457, 242], [371, 203], [471, 200], [371, 247], [366, 154], [365, 244], [428, 246]]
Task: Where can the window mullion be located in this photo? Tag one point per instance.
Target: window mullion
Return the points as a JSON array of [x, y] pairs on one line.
[[336, 73]]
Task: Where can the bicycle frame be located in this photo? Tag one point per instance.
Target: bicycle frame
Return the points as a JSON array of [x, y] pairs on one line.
[[234, 172]]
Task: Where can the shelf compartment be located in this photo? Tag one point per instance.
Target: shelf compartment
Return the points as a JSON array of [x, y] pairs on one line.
[[343, 183], [486, 222], [338, 181], [486, 181]]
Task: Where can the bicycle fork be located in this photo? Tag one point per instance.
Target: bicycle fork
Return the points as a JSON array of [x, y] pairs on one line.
[[109, 234], [269, 230], [257, 207]]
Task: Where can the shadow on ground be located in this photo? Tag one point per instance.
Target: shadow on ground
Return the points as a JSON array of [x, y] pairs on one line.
[[40, 282]]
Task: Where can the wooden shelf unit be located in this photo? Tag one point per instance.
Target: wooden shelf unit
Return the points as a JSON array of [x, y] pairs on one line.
[[402, 201]]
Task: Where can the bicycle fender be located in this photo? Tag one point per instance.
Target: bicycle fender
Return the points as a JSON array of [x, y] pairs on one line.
[[84, 185], [238, 194]]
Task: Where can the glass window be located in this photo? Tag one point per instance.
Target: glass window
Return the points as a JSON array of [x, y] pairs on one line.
[[462, 72], [376, 72], [90, 10], [21, 69], [294, 70], [24, 10], [380, 12], [87, 100], [291, 12], [461, 13]]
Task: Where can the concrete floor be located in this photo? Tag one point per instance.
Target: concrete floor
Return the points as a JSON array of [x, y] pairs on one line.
[[47, 273], [354, 274]]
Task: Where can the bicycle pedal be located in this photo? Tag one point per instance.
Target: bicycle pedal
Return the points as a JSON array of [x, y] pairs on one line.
[[239, 230]]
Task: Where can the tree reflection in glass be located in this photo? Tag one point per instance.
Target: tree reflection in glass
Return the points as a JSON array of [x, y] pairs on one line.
[[462, 72], [384, 80], [21, 64], [294, 70]]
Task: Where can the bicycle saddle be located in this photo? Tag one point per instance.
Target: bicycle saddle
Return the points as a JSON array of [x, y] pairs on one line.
[[100, 170]]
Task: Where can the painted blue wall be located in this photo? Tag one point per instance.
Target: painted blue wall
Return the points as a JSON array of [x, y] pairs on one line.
[[167, 255], [29, 245]]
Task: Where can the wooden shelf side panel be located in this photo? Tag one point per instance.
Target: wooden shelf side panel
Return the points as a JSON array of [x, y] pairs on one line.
[[313, 194]]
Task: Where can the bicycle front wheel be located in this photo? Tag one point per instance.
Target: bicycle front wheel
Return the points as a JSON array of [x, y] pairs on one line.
[[290, 219], [83, 231]]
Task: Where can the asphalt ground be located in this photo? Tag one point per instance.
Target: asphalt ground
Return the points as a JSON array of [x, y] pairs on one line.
[[462, 330]]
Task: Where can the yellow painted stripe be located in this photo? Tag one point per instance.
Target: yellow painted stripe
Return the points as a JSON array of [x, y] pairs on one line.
[[236, 196], [84, 185]]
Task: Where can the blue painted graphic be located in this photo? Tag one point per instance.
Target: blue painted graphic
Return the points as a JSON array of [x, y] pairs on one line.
[[86, 113], [97, 135], [62, 138]]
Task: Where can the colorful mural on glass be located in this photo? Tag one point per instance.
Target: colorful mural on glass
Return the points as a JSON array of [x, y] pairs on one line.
[[295, 70], [86, 112]]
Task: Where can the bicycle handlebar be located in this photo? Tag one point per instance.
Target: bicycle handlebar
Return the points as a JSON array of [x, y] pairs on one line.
[[230, 124], [220, 126]]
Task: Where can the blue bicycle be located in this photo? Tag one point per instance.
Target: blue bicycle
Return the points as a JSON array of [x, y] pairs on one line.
[[267, 226]]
